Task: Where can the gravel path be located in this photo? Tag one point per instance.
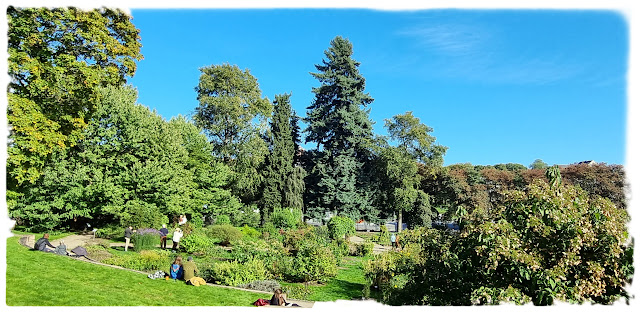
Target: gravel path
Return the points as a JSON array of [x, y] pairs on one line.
[[377, 248]]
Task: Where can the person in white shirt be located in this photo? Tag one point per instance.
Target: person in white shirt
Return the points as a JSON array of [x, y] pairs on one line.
[[183, 220], [176, 239]]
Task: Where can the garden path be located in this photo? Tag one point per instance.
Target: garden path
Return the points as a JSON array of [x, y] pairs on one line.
[[75, 240], [377, 248]]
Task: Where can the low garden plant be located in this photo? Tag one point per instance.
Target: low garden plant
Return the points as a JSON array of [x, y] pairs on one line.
[[224, 234]]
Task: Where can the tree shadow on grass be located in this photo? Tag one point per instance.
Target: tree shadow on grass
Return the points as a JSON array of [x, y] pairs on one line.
[[337, 289]]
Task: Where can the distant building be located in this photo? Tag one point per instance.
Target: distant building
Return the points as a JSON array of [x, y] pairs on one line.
[[586, 162]]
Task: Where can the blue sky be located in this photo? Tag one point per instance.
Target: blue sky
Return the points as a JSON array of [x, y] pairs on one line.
[[497, 86]]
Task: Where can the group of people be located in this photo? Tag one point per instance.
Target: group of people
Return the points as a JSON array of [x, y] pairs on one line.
[[164, 232], [183, 270]]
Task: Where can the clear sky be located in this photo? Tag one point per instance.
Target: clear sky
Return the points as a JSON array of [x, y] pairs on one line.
[[497, 86]]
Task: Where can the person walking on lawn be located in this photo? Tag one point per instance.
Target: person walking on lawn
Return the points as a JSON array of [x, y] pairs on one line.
[[127, 237], [163, 239], [177, 235], [42, 243], [189, 269]]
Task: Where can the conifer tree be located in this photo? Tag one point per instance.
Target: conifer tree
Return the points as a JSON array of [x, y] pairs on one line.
[[339, 124], [284, 185]]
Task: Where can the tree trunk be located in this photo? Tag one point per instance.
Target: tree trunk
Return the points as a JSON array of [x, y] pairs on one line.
[[399, 220]]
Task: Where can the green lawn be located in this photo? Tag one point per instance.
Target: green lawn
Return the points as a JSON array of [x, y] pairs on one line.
[[37, 278], [347, 285]]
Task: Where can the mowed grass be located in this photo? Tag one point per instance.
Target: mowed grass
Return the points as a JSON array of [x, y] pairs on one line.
[[37, 278], [347, 285]]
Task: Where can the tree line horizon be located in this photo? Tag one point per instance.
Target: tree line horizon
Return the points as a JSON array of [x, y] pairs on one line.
[[83, 151]]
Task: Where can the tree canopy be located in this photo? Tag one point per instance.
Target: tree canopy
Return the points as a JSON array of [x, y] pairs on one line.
[[58, 58]]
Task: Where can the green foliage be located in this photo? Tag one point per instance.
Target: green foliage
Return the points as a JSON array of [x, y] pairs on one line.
[[196, 243], [286, 218], [341, 227], [338, 121], [364, 248], [224, 234], [313, 263], [271, 253], [229, 102], [298, 292], [58, 58], [223, 220], [144, 261], [110, 232], [235, 274], [553, 175], [131, 167], [538, 164], [384, 236], [196, 221], [143, 242], [247, 215], [546, 244], [141, 214], [249, 233], [279, 164], [414, 138]]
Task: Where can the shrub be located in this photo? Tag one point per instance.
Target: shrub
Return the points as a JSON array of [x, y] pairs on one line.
[[110, 232], [341, 227], [249, 233], [269, 231], [322, 232], [271, 253], [286, 218], [196, 221], [224, 234], [548, 243], [384, 238], [223, 220], [234, 273], [248, 215], [364, 249], [298, 292], [313, 263], [196, 243], [340, 249], [144, 261], [262, 285], [145, 239], [98, 252]]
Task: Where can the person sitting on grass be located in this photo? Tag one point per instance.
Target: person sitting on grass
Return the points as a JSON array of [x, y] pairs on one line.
[[42, 243], [176, 271], [190, 269], [278, 299]]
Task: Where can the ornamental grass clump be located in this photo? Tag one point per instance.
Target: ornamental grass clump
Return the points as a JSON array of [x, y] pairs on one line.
[[145, 239]]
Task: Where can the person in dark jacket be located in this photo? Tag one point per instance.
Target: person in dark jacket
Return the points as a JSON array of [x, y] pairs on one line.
[[42, 243], [163, 236], [127, 237]]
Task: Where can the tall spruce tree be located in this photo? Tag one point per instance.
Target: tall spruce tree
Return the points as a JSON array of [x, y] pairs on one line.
[[279, 164], [339, 124]]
